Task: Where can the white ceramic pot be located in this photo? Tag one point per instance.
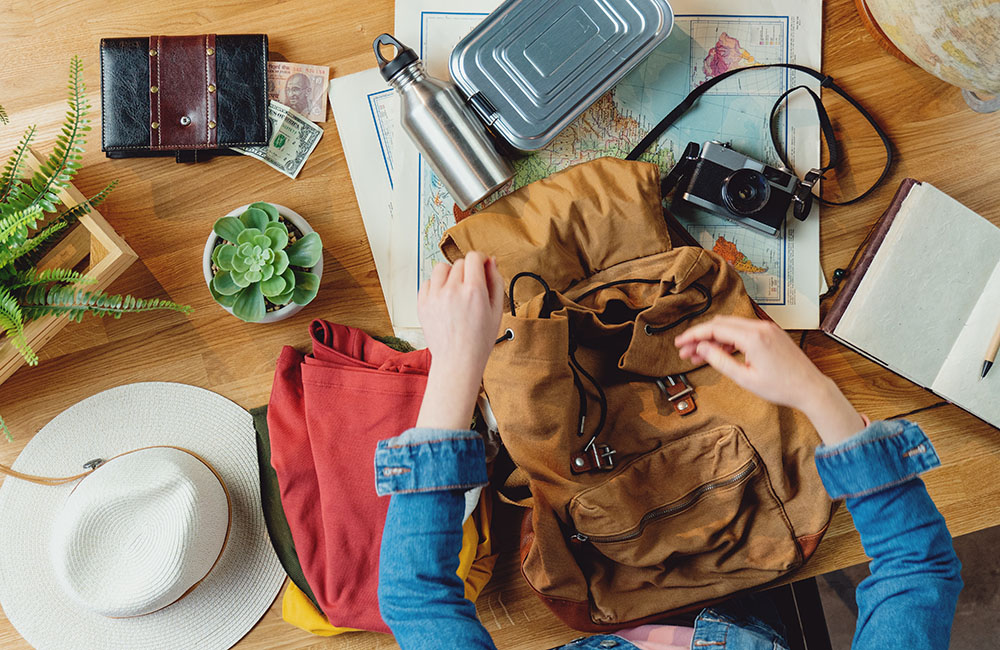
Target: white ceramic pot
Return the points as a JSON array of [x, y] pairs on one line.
[[292, 217]]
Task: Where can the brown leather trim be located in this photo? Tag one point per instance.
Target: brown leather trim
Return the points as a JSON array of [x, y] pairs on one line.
[[181, 107], [212, 103], [154, 97], [527, 535], [809, 543]]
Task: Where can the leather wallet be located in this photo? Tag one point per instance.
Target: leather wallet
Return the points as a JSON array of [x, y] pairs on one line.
[[189, 97]]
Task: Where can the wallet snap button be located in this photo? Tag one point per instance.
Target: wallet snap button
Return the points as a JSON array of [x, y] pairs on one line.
[[185, 120]]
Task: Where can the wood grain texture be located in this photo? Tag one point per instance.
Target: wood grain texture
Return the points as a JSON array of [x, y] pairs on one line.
[[164, 210]]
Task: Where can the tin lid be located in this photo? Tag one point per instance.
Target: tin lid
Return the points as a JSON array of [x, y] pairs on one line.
[[531, 68]]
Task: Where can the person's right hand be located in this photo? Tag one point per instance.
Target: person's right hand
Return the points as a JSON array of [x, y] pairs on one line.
[[459, 308], [772, 367]]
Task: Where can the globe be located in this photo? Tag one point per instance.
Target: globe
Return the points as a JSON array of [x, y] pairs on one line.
[[955, 40]]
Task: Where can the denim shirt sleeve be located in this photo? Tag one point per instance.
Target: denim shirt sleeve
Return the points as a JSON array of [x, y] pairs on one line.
[[909, 599], [420, 595], [426, 460]]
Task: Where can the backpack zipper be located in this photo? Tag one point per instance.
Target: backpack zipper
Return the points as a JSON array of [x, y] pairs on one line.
[[667, 511]]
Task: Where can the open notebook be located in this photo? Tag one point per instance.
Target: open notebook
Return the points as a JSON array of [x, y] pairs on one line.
[[924, 300]]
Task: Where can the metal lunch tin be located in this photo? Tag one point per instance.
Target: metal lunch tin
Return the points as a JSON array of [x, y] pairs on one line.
[[533, 66]]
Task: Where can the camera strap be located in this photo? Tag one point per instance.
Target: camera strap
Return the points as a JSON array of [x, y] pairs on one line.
[[826, 129]]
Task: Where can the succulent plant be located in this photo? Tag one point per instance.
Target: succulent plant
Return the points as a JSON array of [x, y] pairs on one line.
[[259, 263]]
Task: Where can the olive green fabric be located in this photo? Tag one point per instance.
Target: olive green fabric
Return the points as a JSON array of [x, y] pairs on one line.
[[274, 513]]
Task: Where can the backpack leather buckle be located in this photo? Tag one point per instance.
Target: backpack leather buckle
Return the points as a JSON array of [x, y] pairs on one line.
[[593, 457], [679, 393]]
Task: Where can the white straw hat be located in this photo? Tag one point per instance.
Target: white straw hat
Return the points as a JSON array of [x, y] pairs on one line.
[[162, 546]]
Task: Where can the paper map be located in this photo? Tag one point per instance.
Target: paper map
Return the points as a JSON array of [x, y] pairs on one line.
[[781, 273]]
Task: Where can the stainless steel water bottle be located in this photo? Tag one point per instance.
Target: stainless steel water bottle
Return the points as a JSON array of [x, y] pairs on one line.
[[443, 127]]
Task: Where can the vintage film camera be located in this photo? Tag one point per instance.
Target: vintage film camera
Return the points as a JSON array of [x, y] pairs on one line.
[[738, 188]]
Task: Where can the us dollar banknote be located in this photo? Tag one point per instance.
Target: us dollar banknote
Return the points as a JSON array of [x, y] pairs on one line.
[[301, 87], [293, 138]]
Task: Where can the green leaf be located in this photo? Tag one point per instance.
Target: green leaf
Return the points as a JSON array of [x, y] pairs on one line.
[[249, 304], [223, 256], [253, 275], [280, 262], [33, 277], [266, 273], [273, 287], [240, 278], [54, 175], [247, 236], [254, 218], [10, 178], [270, 210], [225, 301], [263, 241], [306, 287], [289, 277], [306, 252], [225, 284], [229, 228], [278, 235], [73, 303], [240, 264]]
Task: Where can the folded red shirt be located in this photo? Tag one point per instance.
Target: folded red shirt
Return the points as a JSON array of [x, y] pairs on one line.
[[327, 412]]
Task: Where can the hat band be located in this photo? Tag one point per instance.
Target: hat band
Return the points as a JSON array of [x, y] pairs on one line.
[[47, 480]]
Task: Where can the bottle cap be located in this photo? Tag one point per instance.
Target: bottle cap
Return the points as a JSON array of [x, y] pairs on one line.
[[391, 67]]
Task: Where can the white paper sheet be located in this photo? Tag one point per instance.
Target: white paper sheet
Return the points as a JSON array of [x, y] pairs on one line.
[[366, 111], [960, 379]]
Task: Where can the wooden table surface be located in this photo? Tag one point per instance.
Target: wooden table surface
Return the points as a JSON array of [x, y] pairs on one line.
[[164, 211]]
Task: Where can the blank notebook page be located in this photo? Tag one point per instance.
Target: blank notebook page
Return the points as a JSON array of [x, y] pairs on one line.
[[922, 286], [960, 379]]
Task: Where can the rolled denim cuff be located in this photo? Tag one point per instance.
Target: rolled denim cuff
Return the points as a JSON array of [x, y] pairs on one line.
[[430, 460], [884, 454]]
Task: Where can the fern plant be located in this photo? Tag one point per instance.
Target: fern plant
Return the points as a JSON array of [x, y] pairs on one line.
[[27, 293]]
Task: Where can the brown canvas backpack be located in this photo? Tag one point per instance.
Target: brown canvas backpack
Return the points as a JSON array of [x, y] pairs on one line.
[[655, 485]]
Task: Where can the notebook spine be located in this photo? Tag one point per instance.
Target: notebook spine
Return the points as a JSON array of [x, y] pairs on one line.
[[855, 275]]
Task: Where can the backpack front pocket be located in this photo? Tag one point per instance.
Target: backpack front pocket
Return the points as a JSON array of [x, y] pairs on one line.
[[702, 502]]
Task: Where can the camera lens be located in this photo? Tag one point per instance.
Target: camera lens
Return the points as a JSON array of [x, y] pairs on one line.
[[746, 192]]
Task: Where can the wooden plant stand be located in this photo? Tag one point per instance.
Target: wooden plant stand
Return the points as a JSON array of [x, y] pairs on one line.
[[91, 241]]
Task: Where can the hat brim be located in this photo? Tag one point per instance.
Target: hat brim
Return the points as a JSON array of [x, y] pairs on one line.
[[223, 607]]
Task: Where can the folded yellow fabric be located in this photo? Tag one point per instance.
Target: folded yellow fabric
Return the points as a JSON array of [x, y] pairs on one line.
[[475, 567]]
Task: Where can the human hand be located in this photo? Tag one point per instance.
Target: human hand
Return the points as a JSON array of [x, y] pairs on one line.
[[774, 368], [459, 308]]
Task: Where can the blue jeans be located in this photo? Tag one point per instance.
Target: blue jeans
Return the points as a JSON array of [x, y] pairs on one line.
[[907, 602]]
